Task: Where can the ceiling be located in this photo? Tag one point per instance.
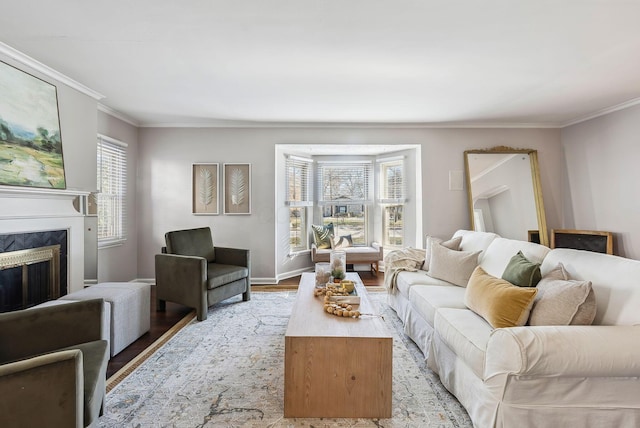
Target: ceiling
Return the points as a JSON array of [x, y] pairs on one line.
[[335, 62]]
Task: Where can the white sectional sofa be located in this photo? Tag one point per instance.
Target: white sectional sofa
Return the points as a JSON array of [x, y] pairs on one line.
[[532, 376]]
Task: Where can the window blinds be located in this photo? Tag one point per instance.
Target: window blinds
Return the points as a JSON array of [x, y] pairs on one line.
[[112, 189], [298, 181], [392, 181], [347, 182]]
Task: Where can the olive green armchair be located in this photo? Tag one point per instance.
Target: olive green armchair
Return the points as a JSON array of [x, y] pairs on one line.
[[194, 273], [53, 365]]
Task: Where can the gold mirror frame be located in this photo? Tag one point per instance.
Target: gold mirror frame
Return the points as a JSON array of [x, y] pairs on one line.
[[535, 178]]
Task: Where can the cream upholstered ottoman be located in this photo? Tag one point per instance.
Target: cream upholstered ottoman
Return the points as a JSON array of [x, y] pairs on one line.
[[130, 309]]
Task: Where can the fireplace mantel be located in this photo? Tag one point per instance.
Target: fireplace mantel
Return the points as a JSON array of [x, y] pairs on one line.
[[37, 192], [25, 209]]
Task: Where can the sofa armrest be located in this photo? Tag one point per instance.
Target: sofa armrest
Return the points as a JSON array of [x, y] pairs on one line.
[[38, 330], [571, 351], [233, 256], [53, 383]]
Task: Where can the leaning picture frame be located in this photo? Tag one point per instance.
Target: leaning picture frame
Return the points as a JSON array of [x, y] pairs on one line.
[[237, 188], [30, 137], [205, 189]]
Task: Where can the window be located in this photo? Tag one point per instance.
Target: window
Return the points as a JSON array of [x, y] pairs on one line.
[[392, 199], [112, 190], [298, 174], [344, 192]]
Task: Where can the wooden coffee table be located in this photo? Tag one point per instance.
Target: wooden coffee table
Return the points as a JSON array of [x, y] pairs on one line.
[[336, 367]]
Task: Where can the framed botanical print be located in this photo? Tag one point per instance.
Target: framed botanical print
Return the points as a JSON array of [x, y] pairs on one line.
[[205, 189], [237, 188]]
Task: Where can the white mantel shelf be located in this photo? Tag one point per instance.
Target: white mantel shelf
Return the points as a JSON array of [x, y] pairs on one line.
[[37, 192]]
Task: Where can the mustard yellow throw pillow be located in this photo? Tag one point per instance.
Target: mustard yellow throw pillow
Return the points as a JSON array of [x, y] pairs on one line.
[[499, 302]]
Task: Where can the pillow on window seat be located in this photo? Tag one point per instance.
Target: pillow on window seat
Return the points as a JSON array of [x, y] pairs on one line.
[[322, 235], [344, 241]]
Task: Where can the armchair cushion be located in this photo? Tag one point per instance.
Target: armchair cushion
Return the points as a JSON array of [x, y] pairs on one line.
[[219, 274], [191, 242]]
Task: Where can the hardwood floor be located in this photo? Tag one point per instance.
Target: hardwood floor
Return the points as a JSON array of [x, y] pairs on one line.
[[163, 321]]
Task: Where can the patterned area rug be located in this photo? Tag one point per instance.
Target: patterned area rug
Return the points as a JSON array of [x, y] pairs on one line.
[[228, 371]]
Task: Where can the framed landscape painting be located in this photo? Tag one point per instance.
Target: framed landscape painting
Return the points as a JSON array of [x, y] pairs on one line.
[[205, 188], [237, 188], [30, 141]]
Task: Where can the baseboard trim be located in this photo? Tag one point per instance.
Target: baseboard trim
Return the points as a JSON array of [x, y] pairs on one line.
[[293, 273]]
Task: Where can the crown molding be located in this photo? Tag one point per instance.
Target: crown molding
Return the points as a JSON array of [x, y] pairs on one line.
[[47, 71], [114, 113], [398, 125], [603, 112]]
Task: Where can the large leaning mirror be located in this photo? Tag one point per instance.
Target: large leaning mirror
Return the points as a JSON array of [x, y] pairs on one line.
[[505, 196]]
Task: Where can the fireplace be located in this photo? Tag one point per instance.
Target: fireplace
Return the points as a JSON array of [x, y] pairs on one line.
[[33, 268]]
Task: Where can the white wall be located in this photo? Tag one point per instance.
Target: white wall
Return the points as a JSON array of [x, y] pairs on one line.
[[602, 178], [166, 156], [120, 263]]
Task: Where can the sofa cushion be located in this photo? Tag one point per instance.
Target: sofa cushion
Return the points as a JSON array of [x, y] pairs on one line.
[[561, 301], [466, 334], [498, 301], [452, 266], [407, 279], [219, 274], [453, 244], [500, 251], [521, 272], [427, 299]]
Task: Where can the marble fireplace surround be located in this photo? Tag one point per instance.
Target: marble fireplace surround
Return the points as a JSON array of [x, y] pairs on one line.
[[24, 210]]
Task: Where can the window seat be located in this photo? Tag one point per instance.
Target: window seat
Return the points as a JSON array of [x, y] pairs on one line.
[[355, 255]]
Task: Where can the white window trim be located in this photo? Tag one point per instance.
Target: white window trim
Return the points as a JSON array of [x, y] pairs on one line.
[[305, 204]]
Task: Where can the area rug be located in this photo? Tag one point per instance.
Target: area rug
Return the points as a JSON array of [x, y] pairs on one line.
[[228, 371]]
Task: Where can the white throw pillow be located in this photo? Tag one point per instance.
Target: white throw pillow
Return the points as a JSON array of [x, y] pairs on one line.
[[562, 301], [452, 266], [453, 244]]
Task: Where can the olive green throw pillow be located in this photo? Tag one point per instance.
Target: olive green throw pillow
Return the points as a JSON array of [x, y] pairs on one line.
[[522, 272], [499, 302], [322, 235]]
